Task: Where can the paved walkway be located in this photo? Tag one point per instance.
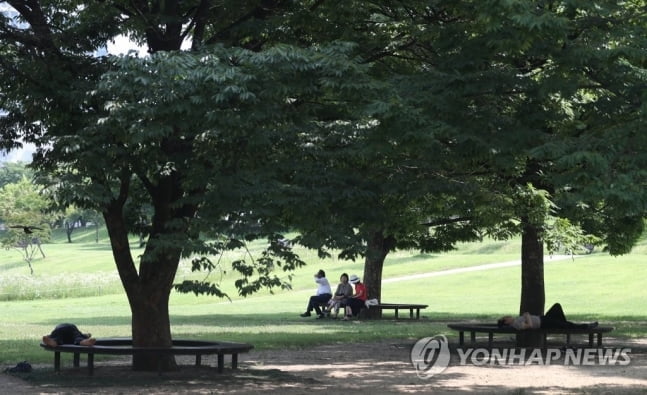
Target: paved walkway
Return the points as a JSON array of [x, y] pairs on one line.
[[459, 270]]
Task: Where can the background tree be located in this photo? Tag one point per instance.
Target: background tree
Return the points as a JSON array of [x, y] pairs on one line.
[[13, 172], [517, 100], [576, 93], [23, 209], [74, 218], [383, 182]]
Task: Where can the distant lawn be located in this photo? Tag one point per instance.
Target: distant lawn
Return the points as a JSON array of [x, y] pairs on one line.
[[82, 269], [591, 287]]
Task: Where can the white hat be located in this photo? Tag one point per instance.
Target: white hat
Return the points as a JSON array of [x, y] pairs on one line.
[[354, 279]]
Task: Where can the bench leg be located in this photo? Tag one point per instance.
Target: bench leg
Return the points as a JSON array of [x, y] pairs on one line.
[[77, 359], [198, 360], [90, 364], [473, 337], [57, 361], [417, 314], [234, 361], [590, 339], [461, 338], [221, 362], [568, 339], [411, 313], [600, 339], [396, 313], [490, 337]]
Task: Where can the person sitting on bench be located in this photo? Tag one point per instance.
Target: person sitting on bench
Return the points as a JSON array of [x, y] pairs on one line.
[[356, 302], [68, 334], [343, 292], [553, 319], [322, 296]]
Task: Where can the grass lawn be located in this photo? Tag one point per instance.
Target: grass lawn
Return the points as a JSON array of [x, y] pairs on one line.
[[77, 283]]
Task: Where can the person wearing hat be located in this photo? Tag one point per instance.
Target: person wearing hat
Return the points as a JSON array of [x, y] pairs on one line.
[[355, 303], [322, 296]]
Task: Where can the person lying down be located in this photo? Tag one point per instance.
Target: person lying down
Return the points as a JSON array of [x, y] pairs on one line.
[[553, 319], [68, 334]]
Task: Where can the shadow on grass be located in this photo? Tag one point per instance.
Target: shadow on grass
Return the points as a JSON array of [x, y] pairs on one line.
[[203, 380], [412, 259], [103, 247], [386, 371], [186, 379], [14, 265], [383, 365]]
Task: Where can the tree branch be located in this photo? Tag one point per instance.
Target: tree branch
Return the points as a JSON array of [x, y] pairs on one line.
[[260, 11], [30, 10], [198, 24], [446, 221]]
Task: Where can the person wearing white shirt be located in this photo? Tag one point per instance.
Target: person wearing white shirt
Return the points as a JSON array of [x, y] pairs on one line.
[[322, 296]]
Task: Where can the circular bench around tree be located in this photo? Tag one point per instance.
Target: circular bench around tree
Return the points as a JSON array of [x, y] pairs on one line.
[[124, 346]]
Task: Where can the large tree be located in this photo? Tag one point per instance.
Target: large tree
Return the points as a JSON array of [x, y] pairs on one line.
[[199, 137], [412, 177], [500, 116], [578, 115], [570, 113]]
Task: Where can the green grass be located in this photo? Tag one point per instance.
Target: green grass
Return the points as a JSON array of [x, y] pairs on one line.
[[82, 269], [590, 287]]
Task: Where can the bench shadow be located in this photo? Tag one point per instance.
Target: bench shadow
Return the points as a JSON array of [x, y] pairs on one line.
[[383, 366], [187, 379]]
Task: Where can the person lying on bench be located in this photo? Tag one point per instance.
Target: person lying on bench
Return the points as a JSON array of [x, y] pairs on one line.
[[553, 319], [68, 334]]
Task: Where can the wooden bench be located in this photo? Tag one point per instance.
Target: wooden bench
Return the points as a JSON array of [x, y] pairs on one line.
[[124, 346], [401, 306], [491, 329]]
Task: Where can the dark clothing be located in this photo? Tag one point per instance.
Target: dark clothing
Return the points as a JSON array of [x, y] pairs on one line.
[[67, 334], [317, 300], [555, 319], [355, 304]]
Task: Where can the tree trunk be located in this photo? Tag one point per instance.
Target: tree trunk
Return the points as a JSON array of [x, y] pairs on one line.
[[377, 248], [148, 292], [68, 231], [532, 279], [151, 327]]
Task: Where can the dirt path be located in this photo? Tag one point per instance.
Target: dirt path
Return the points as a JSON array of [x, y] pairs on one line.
[[364, 368]]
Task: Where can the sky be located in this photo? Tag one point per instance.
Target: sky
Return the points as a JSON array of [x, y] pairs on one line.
[[20, 155]]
